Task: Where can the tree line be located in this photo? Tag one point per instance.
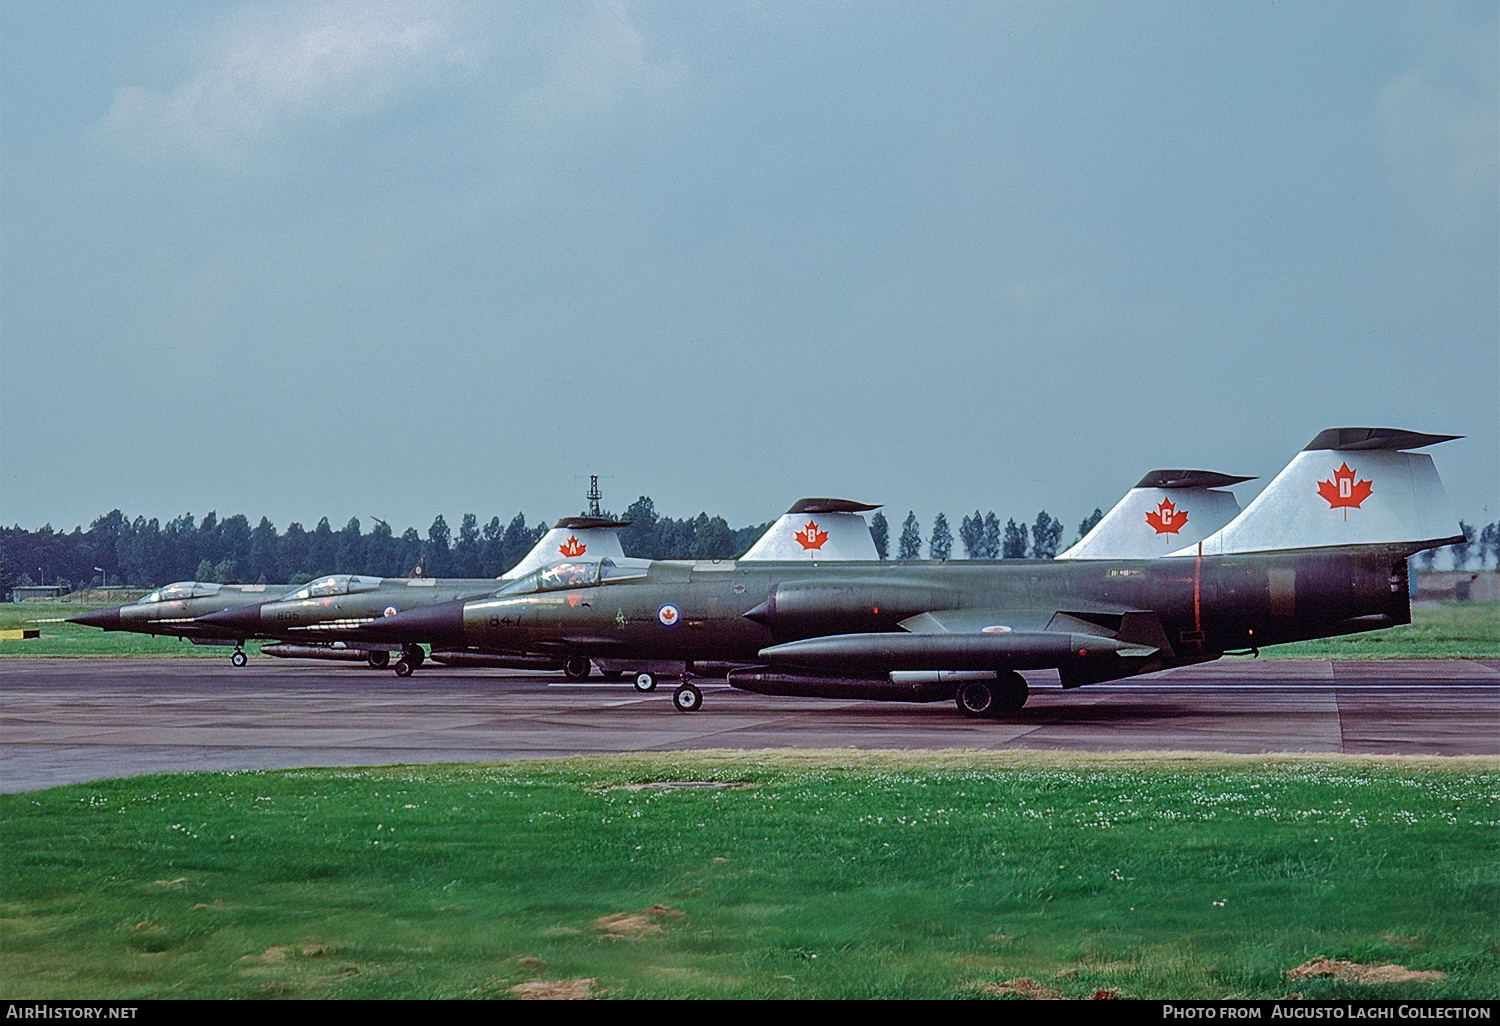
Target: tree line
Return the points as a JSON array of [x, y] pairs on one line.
[[116, 550]]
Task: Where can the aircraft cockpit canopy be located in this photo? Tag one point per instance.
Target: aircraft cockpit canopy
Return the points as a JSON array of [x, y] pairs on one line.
[[334, 584], [178, 591], [561, 576]]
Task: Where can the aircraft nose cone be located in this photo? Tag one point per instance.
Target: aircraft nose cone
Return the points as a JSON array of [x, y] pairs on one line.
[[236, 618], [104, 619], [438, 624]]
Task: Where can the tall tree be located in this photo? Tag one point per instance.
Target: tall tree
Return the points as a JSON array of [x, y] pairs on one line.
[[880, 534], [1045, 535], [642, 538], [941, 544], [492, 550], [911, 538], [467, 550], [322, 549], [349, 550], [1013, 546], [971, 533], [993, 536], [263, 566], [437, 552], [1089, 523]]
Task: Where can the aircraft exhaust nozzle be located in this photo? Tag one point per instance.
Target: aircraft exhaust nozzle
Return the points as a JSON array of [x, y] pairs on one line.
[[104, 619], [440, 624], [1010, 650]]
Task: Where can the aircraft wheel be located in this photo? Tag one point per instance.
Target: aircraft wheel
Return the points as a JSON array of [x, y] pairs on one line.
[[975, 699], [1011, 693], [645, 681], [238, 659], [403, 668], [413, 656], [378, 660], [576, 668], [687, 698]]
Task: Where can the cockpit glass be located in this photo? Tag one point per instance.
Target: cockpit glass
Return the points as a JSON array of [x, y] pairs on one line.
[[560, 576], [180, 590], [333, 584]]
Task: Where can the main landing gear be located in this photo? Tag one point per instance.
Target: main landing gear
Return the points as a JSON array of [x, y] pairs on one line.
[[576, 668], [982, 699], [412, 657], [687, 697], [378, 659]]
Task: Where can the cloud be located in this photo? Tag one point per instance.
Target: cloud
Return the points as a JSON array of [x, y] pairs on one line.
[[1440, 131], [272, 73], [600, 60]]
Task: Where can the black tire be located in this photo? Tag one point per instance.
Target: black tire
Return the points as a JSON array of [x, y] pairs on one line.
[[414, 657], [403, 668], [576, 668], [378, 660], [645, 681], [976, 699], [238, 659], [687, 698]]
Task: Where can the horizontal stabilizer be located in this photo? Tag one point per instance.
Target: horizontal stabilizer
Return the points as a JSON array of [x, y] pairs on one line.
[[830, 529], [1350, 486], [1168, 509]]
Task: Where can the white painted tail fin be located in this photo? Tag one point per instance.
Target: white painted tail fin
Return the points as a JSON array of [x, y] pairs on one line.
[[1168, 509], [586, 539], [1350, 486], [818, 529]]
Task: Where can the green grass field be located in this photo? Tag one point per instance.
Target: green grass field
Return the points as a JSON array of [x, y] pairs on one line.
[[761, 875]]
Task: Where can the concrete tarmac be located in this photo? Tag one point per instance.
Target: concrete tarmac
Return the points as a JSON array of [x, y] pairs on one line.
[[70, 720]]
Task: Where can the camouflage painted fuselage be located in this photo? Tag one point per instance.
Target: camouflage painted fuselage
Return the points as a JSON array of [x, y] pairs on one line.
[[1093, 621]]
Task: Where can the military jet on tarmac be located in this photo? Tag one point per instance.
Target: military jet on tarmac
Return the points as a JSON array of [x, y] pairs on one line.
[[1161, 506], [173, 611], [323, 618], [1320, 552]]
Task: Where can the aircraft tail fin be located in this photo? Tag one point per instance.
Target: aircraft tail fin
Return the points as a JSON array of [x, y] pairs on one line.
[[582, 538], [830, 529], [1349, 486], [1168, 509]]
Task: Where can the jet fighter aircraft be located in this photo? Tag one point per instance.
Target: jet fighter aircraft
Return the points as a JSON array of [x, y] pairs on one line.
[[173, 611], [1320, 552], [323, 618], [1163, 504]]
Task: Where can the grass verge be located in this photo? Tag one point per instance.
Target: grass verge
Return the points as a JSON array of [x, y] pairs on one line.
[[761, 875]]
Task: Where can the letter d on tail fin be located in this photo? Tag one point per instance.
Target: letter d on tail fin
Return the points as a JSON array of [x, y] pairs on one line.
[[1350, 486]]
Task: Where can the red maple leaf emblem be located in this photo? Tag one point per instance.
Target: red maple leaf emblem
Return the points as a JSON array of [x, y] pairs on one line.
[[810, 537], [572, 547], [1166, 518], [1344, 490]]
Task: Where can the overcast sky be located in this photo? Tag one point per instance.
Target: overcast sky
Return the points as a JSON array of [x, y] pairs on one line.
[[393, 260]]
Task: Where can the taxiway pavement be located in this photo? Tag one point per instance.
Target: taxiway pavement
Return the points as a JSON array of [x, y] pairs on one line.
[[70, 720]]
